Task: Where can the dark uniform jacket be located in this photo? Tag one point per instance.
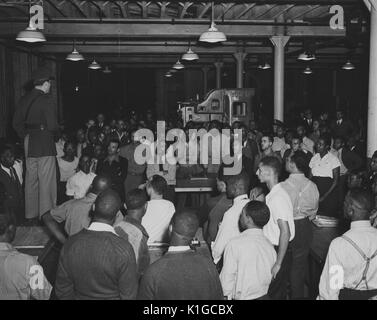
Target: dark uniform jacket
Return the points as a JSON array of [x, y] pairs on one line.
[[40, 122]]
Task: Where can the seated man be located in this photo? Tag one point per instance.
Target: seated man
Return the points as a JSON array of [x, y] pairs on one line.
[[249, 258], [236, 189], [132, 230], [78, 185], [96, 263], [182, 273], [21, 276], [159, 211], [350, 271], [221, 204], [75, 213]]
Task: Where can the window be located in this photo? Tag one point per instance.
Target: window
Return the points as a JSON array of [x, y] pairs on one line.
[[239, 108], [215, 105]]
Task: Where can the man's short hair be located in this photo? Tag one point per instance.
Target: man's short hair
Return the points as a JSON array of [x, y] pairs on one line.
[[5, 222], [136, 199], [300, 159], [363, 198], [268, 135], [5, 147], [326, 139], [186, 223], [158, 184], [240, 181], [114, 141], [107, 205], [258, 211], [273, 163]]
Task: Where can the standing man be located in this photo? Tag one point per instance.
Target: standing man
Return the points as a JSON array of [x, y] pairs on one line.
[[35, 121], [280, 229]]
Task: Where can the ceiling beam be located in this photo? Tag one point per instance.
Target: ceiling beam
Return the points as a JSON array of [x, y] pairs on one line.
[[164, 31]]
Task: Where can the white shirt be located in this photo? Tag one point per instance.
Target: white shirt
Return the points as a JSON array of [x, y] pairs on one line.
[[229, 227], [157, 219], [67, 169], [59, 148], [307, 144], [323, 167], [338, 154], [178, 248], [343, 255], [78, 185], [248, 260], [278, 144], [280, 205], [100, 226]]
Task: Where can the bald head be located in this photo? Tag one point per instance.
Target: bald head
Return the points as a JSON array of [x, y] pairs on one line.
[[106, 206], [100, 184], [186, 223]]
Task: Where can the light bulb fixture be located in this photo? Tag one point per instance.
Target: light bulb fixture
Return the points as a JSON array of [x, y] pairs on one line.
[[306, 56], [94, 65], [107, 70], [212, 35], [31, 34], [178, 65], [348, 65], [190, 55], [74, 55], [264, 66], [168, 74], [307, 70], [77, 88], [173, 70]]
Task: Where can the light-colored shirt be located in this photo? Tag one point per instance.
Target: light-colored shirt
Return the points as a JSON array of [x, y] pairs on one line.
[[157, 219], [278, 144], [248, 260], [21, 276], [280, 205], [338, 154], [78, 185], [323, 167], [15, 167], [304, 195], [307, 144], [67, 169], [342, 256], [102, 227], [229, 227], [59, 148]]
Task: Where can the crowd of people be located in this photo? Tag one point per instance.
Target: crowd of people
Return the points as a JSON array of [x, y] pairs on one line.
[[257, 225]]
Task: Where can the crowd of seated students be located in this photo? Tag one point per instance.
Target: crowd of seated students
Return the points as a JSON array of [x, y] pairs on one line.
[[257, 226]]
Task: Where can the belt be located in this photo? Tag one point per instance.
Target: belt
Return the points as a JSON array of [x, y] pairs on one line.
[[35, 126]]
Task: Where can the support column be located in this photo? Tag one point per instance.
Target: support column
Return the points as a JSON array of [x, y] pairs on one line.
[[279, 43], [218, 66], [240, 57], [205, 70], [372, 92]]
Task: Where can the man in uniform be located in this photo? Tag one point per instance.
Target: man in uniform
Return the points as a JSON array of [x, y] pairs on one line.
[[35, 121]]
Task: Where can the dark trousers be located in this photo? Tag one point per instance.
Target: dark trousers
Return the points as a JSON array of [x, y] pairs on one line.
[[300, 247], [278, 289]]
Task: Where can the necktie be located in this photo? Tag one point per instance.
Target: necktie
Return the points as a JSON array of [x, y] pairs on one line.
[[14, 177]]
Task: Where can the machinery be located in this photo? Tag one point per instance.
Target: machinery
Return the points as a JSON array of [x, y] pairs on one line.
[[224, 105]]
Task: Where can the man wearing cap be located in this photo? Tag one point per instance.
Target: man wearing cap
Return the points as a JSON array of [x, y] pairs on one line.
[[35, 121]]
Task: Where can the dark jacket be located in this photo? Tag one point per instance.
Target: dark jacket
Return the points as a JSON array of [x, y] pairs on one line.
[[39, 121], [96, 265], [344, 129], [187, 275]]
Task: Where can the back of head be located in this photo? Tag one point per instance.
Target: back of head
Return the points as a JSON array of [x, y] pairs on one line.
[[300, 159], [158, 184], [363, 200], [136, 199], [185, 223], [107, 206], [7, 228], [273, 163], [101, 183], [238, 184], [258, 211]]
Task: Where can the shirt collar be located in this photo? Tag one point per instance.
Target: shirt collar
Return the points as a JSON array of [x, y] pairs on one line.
[[252, 231], [7, 170], [99, 226], [178, 248], [241, 197], [360, 224], [5, 246]]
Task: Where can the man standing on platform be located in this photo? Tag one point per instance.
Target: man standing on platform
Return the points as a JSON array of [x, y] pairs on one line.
[[35, 121]]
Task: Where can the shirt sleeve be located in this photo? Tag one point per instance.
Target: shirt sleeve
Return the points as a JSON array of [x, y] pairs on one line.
[[60, 213], [229, 271], [335, 163], [40, 288], [331, 278], [282, 208], [71, 187], [223, 236]]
